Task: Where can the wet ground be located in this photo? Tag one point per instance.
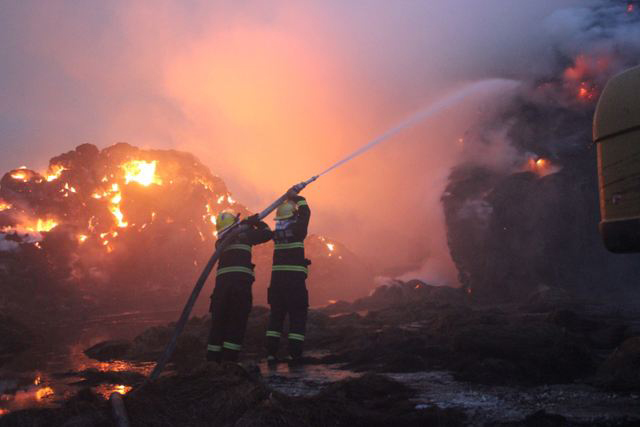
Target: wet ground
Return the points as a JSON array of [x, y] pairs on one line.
[[44, 377]]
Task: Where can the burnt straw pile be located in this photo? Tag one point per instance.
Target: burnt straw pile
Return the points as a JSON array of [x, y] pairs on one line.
[[533, 219], [128, 228]]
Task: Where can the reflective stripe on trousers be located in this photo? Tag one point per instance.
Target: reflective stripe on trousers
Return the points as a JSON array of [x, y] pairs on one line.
[[231, 346], [234, 270], [297, 337], [298, 268]]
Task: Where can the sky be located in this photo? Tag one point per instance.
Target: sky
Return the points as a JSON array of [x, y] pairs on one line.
[[268, 93]]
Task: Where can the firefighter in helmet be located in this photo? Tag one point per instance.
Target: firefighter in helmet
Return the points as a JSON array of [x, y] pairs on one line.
[[287, 293], [232, 299]]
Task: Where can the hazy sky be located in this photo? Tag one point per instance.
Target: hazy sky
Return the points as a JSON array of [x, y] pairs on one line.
[[269, 93]]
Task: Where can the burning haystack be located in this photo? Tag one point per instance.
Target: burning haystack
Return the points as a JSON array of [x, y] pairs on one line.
[[534, 221], [122, 227]]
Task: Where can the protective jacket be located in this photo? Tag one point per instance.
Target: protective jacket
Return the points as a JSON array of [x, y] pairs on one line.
[[236, 257], [288, 254], [232, 299], [287, 293]]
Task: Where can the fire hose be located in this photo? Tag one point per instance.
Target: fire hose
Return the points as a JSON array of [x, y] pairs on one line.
[[238, 227], [233, 231]]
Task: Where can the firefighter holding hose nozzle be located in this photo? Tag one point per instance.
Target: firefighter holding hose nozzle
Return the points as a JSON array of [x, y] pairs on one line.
[[287, 293], [232, 299]]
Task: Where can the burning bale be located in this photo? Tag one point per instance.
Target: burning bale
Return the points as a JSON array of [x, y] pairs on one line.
[[534, 222], [128, 228]]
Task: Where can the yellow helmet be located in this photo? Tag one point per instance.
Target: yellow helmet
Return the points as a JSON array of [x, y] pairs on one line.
[[225, 220], [286, 210]]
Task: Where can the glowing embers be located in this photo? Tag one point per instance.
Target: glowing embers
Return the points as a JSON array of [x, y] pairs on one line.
[[114, 206], [20, 175], [587, 92], [5, 206], [142, 172], [582, 77], [36, 226], [541, 166], [43, 393], [54, 172]]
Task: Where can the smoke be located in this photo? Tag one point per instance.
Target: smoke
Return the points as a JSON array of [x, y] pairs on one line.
[[512, 229], [268, 94]]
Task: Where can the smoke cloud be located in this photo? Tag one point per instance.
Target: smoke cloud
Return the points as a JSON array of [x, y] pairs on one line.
[[267, 94]]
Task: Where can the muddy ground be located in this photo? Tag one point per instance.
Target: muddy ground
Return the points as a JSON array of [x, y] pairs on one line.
[[415, 354]]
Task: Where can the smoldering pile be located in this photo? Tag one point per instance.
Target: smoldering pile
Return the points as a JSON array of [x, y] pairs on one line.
[[533, 222], [125, 227]]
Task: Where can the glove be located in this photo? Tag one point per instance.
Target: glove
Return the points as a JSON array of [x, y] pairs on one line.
[[252, 220]]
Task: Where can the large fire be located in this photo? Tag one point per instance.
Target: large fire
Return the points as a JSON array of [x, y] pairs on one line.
[[130, 226], [142, 172], [91, 196]]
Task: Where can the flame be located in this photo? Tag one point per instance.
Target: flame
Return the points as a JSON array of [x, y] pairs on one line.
[[582, 77], [4, 206], [3, 411], [331, 246], [586, 93], [114, 207], [122, 389], [44, 392], [230, 200], [55, 172], [37, 381], [41, 225], [20, 176], [541, 166], [142, 172], [82, 238]]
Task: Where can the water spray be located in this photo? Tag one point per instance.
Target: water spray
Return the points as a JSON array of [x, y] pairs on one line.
[[238, 227]]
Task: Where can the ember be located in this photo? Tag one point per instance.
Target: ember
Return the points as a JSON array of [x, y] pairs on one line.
[[541, 166], [43, 393]]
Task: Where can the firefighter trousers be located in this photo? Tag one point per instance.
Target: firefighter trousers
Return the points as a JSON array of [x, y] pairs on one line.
[[287, 297], [230, 307]]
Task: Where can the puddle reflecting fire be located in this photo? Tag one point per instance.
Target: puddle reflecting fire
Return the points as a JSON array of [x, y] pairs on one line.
[[105, 390]]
